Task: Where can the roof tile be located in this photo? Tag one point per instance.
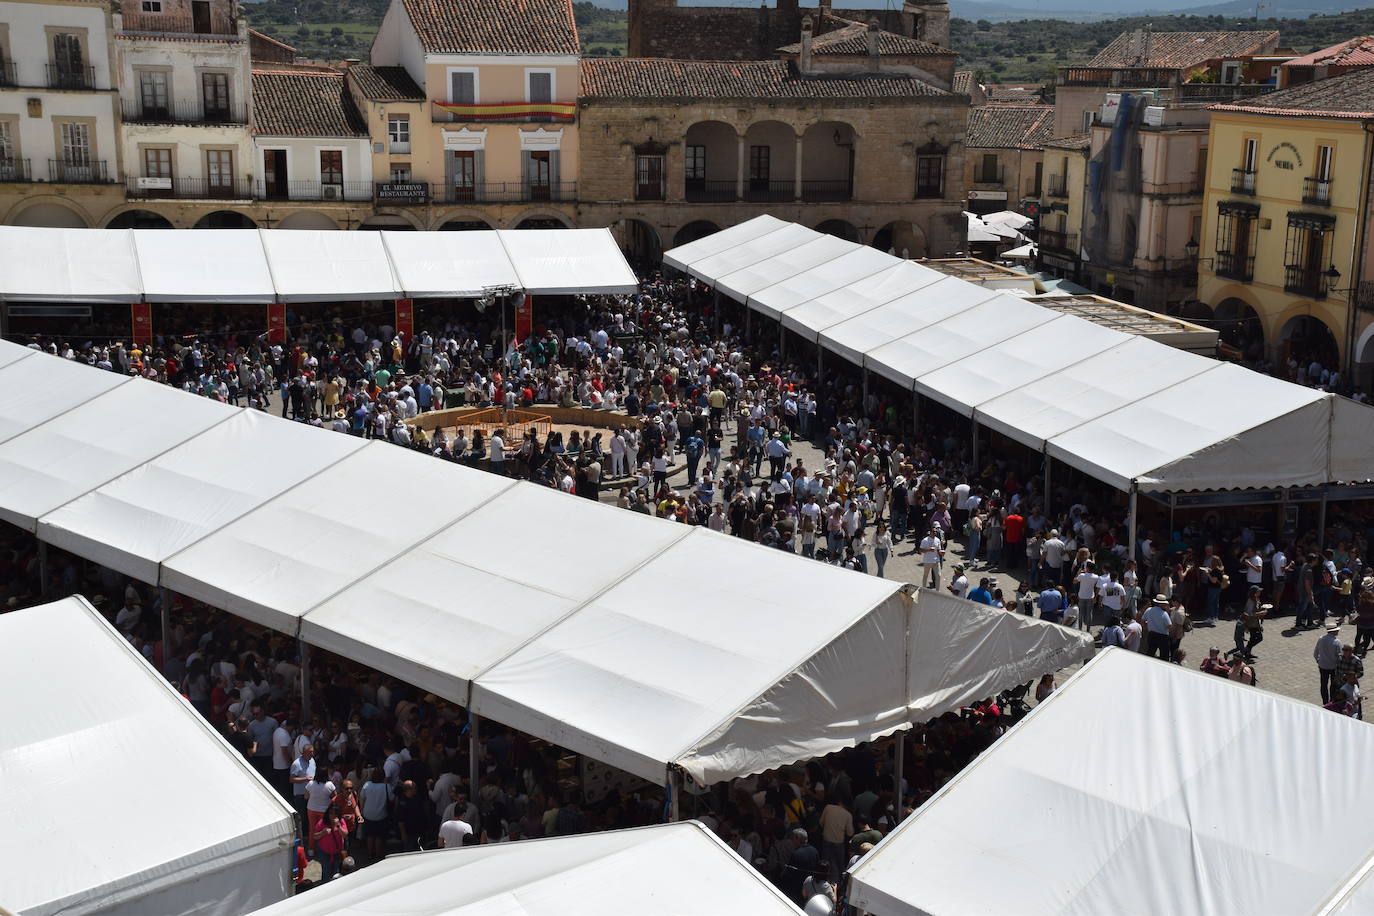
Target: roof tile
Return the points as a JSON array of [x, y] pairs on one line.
[[1353, 53], [494, 26], [618, 78], [304, 103], [1350, 95], [851, 40], [385, 84], [1009, 126], [1177, 50]]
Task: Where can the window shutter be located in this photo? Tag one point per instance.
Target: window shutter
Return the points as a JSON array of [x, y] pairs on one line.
[[464, 89], [553, 173], [479, 171]]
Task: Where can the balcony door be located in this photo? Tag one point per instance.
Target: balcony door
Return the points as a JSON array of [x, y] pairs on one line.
[[200, 17], [157, 165], [68, 61], [274, 174], [76, 152], [219, 172], [463, 175], [152, 89], [538, 175], [214, 91]]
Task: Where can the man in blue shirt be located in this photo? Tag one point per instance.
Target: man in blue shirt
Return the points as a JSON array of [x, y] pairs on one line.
[[981, 594], [694, 447], [1051, 604]]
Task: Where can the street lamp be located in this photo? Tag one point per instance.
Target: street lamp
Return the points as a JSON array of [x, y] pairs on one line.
[[1190, 247]]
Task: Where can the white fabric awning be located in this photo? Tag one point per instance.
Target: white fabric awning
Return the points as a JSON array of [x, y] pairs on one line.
[[929, 303], [681, 868], [555, 262], [35, 390], [684, 256], [825, 277], [317, 265], [780, 239], [79, 704], [747, 281], [68, 265], [205, 265], [901, 278], [430, 265], [1080, 809]]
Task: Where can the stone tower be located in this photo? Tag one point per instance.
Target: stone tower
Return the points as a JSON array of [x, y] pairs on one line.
[[931, 20]]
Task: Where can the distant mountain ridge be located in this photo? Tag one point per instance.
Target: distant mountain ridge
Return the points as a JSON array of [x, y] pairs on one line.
[[1078, 10]]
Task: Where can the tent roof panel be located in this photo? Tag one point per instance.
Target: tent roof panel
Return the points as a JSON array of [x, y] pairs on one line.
[[90, 444], [904, 315], [1159, 784], [1352, 431], [955, 337], [823, 278], [743, 283], [112, 712], [449, 264], [37, 389], [829, 309], [988, 371], [555, 262], [207, 265], [615, 873], [291, 553], [684, 256], [319, 265], [13, 352], [782, 238], [138, 520], [68, 265]]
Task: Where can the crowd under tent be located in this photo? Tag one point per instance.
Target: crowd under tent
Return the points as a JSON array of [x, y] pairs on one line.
[[247, 266], [482, 590], [1128, 410], [106, 771], [681, 868], [1205, 796]]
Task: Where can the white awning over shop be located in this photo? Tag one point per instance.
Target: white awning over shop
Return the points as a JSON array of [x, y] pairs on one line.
[[316, 265], [555, 262], [827, 276], [684, 256], [429, 265], [204, 265], [68, 265]]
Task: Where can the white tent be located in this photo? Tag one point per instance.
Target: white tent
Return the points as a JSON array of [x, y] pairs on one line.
[[564, 261], [786, 237], [13, 352], [102, 765], [683, 256], [68, 265], [747, 281], [827, 276], [927, 304], [428, 265], [317, 265], [899, 279], [1203, 796], [35, 390], [207, 265], [681, 869]]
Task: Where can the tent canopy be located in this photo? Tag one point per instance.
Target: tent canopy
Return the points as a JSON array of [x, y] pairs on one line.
[[103, 712], [285, 525], [1155, 814], [1130, 411], [680, 868], [247, 266]]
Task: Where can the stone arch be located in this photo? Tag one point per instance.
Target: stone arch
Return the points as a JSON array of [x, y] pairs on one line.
[[307, 219], [901, 237], [639, 240], [1307, 338], [48, 212], [842, 229], [1238, 324], [540, 219], [827, 166], [697, 229], [393, 221], [770, 171], [1364, 347], [225, 219], [457, 220], [712, 161], [135, 218]]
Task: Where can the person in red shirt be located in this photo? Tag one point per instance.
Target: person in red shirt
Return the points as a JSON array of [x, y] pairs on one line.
[[1014, 532]]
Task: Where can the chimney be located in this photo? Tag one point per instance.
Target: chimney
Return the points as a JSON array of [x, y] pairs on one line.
[[873, 58], [804, 59], [824, 9]]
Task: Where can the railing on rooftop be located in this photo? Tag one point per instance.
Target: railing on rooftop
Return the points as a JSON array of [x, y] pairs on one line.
[[181, 24]]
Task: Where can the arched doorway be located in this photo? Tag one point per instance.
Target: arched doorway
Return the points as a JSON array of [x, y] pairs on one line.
[[464, 225], [828, 161], [140, 219], [1199, 312], [902, 238], [1308, 340], [770, 173], [841, 229], [710, 167], [50, 216], [307, 219], [541, 222], [639, 241], [1238, 325], [693, 231], [224, 219]]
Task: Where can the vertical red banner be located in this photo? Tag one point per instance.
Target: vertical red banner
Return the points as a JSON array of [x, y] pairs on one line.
[[405, 319], [524, 317], [276, 323], [141, 314]]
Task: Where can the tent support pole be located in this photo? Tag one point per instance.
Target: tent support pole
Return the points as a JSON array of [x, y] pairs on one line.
[[782, 340], [897, 775], [43, 569], [1049, 514], [915, 415], [715, 308], [304, 648], [820, 362], [474, 745], [748, 321], [865, 401], [1171, 515], [675, 795], [974, 423], [1130, 534], [165, 601], [1321, 523]]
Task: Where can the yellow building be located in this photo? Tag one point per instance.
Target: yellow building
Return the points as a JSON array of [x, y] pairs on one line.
[[472, 109], [1061, 206], [1284, 244]]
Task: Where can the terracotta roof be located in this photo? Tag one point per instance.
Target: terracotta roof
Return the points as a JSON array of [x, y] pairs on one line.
[[618, 78], [1016, 95], [851, 40], [1357, 52], [304, 103], [494, 26], [1081, 141], [1177, 50], [1009, 126], [385, 84], [1350, 95], [254, 33], [963, 82]]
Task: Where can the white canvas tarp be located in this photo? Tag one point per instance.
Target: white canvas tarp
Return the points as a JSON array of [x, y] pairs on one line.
[[318, 265], [825, 277], [206, 265], [68, 265], [430, 264], [1084, 809], [681, 869], [781, 239], [556, 262], [747, 281], [33, 391], [907, 314], [684, 256], [94, 736], [901, 278], [13, 352]]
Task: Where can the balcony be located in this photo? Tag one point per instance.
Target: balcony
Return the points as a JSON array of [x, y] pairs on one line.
[[503, 112], [15, 170], [820, 191], [711, 190], [1316, 192], [314, 190], [1243, 181], [64, 77], [182, 112], [1057, 187], [8, 74], [93, 171], [189, 189], [989, 175], [769, 191], [506, 192], [1304, 281], [395, 193], [1052, 240], [1364, 296], [182, 25], [1122, 77], [1235, 267]]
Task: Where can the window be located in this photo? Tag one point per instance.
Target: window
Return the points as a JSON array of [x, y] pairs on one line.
[[1237, 229], [539, 85], [152, 90], [151, 6], [930, 171], [1324, 155], [1039, 178], [989, 170], [1251, 155], [398, 133], [76, 144], [648, 177], [538, 174], [400, 173], [696, 166], [157, 163], [1230, 73], [69, 70], [219, 172], [463, 87], [464, 175], [9, 154], [215, 93], [331, 166], [759, 168], [1306, 254]]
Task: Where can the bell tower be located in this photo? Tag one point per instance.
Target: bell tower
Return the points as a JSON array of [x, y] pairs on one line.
[[930, 19]]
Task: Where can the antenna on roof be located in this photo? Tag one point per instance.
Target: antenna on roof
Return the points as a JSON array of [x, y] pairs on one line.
[[1261, 6]]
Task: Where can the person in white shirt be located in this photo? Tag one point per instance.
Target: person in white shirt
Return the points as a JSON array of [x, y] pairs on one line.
[[959, 587], [931, 550], [1052, 552], [452, 831], [1087, 595], [1253, 566]]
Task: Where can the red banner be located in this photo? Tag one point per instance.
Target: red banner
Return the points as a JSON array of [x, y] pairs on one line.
[[141, 314], [276, 323], [524, 317], [405, 319]]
